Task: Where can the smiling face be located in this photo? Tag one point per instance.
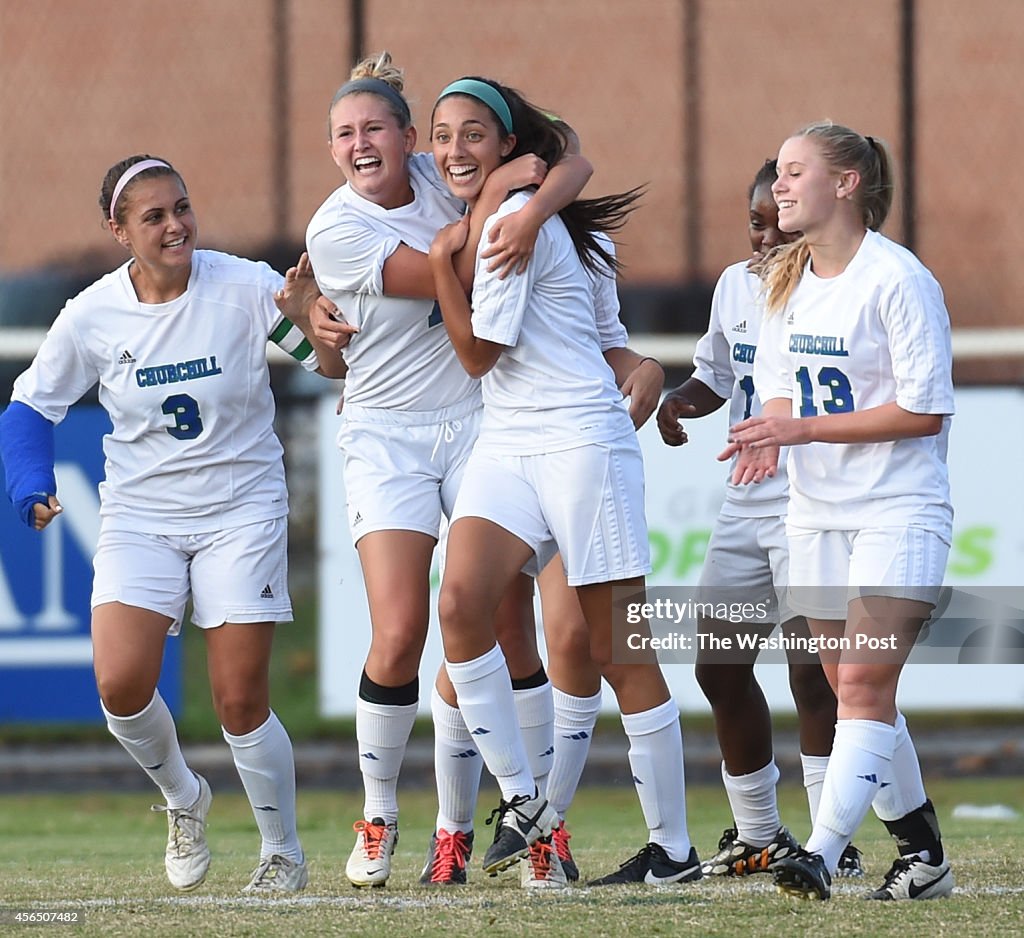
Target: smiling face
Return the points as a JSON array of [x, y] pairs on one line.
[[159, 226], [763, 226], [370, 148], [808, 190], [468, 144]]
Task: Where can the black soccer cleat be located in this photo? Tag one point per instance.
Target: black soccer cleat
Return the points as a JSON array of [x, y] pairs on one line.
[[803, 876], [851, 863], [521, 821], [447, 858], [736, 858], [653, 866]]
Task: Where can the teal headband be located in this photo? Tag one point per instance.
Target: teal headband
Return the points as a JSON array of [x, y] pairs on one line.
[[484, 92]]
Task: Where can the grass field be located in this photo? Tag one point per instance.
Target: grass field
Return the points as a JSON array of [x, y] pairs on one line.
[[101, 855]]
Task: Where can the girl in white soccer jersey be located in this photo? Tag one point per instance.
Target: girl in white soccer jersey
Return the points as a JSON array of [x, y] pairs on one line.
[[854, 368], [575, 676], [193, 505], [409, 421], [746, 562], [557, 464]]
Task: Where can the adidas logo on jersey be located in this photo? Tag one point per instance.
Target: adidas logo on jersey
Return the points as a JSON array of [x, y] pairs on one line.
[[740, 326], [126, 358], [790, 318], [267, 593], [358, 519]]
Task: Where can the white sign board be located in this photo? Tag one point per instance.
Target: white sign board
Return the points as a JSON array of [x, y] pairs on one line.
[[685, 487]]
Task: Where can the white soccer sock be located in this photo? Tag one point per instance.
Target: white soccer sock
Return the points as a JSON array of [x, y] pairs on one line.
[[575, 718], [457, 766], [906, 792], [814, 768], [754, 805], [266, 766], [861, 760], [382, 733], [151, 739], [484, 690], [535, 712], [656, 758]]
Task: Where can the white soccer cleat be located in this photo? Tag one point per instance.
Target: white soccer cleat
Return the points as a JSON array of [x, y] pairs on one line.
[[542, 869], [369, 864], [188, 857], [913, 878], [276, 874]]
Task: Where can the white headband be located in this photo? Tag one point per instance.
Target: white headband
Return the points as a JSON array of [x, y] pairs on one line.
[[128, 175]]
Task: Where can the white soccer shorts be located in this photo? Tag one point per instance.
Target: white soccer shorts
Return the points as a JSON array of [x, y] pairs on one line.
[[239, 574], [747, 561], [827, 569], [403, 469], [586, 503]]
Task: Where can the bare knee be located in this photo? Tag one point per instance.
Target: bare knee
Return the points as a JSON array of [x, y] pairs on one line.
[[723, 684], [123, 695], [811, 690], [864, 693], [395, 654], [241, 712], [456, 607]]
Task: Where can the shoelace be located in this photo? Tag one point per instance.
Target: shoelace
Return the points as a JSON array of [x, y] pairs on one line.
[[505, 806], [183, 831], [266, 872], [452, 852], [561, 837], [373, 835], [540, 859], [445, 434], [729, 835], [900, 866], [642, 856]]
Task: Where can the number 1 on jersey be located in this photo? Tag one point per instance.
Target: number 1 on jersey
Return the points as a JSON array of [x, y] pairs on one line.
[[747, 387]]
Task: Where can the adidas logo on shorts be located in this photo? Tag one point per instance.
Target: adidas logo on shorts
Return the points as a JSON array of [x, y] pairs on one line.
[[267, 593]]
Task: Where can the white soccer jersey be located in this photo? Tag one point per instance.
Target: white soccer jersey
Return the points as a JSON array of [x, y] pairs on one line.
[[604, 291], [187, 388], [401, 357], [879, 332], [724, 361], [551, 389]]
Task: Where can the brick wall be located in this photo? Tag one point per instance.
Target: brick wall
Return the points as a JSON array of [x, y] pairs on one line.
[[85, 84]]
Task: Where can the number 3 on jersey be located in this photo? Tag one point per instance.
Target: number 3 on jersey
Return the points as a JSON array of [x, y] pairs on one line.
[[185, 411], [838, 385]]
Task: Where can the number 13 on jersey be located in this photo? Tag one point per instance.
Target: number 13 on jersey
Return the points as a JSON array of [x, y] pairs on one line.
[[834, 383]]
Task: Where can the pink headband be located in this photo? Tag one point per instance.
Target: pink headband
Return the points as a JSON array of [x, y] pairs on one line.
[[128, 175]]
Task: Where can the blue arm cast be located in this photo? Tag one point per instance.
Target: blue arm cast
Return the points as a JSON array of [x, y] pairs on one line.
[[26, 446]]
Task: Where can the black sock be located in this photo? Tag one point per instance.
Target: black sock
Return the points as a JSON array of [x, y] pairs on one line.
[[537, 679], [918, 831], [389, 696]]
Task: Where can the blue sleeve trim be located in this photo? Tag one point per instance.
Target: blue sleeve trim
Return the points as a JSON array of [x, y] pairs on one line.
[[26, 446]]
